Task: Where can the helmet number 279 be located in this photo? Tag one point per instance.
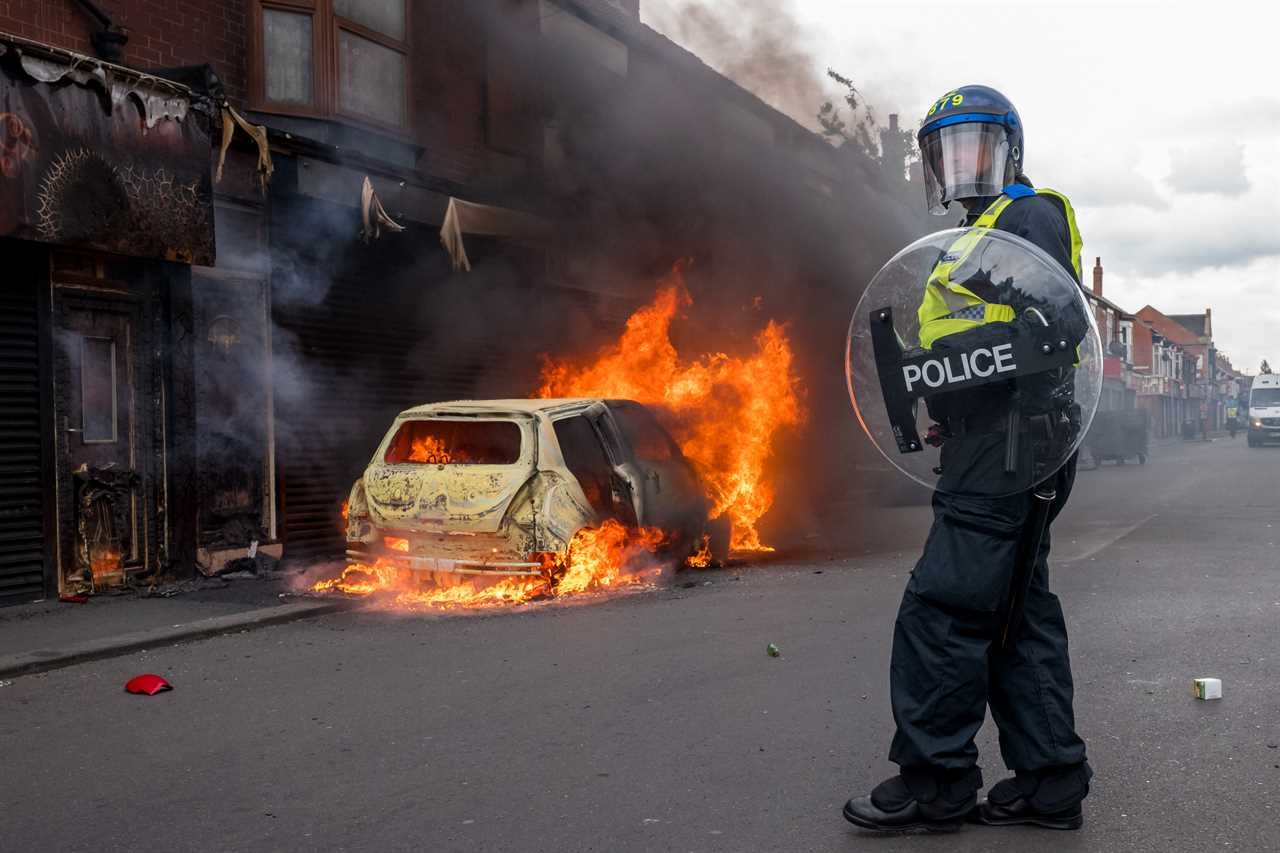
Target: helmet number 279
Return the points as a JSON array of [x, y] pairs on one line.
[[952, 99]]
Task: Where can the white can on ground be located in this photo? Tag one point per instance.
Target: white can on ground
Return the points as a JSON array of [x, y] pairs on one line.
[[1207, 688]]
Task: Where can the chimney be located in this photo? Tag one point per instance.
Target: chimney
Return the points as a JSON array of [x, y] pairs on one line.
[[1208, 322], [1097, 277], [894, 150]]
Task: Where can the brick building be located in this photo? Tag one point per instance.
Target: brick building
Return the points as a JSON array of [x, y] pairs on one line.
[[1164, 364], [1193, 334], [222, 357], [1163, 374], [160, 33], [1115, 327]]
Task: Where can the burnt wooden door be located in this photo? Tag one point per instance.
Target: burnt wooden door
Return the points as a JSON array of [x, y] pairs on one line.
[[98, 348]]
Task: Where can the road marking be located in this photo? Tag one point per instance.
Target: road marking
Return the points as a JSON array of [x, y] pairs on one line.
[[1107, 543]]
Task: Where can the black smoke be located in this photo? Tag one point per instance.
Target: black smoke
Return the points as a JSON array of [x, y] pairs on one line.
[[636, 166]]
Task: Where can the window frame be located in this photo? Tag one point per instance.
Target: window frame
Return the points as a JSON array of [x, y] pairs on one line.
[[84, 397], [601, 443], [326, 27], [402, 47], [407, 427]]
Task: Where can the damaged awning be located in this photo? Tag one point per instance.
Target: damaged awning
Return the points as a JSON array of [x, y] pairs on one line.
[[465, 217], [99, 156]]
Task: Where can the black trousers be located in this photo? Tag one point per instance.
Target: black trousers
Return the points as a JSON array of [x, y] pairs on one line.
[[946, 668]]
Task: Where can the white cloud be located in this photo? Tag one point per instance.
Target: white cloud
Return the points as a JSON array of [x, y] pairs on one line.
[[1253, 116], [1157, 119], [1246, 314], [1206, 232], [1213, 169], [1099, 178]]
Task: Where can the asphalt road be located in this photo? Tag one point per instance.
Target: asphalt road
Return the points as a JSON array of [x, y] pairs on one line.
[[657, 722]]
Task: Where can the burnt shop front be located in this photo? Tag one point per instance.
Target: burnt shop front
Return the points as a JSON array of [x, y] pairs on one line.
[[105, 205]]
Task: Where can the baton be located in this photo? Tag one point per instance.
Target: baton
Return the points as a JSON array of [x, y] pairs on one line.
[[1024, 571]]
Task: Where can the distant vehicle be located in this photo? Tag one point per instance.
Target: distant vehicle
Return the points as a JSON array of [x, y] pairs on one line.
[[485, 487], [1264, 410], [1118, 435]]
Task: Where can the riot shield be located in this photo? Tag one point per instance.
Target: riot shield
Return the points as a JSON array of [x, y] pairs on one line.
[[998, 392]]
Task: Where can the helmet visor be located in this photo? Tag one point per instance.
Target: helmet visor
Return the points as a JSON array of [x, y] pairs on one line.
[[965, 161]]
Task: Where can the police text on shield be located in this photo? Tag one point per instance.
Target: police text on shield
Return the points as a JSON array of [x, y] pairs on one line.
[[980, 363]]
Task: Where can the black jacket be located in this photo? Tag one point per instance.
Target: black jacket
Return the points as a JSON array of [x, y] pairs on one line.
[[1039, 220]]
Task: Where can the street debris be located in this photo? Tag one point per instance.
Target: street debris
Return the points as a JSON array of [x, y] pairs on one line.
[[772, 651], [1207, 688], [148, 684], [5, 683], [256, 563], [74, 599]]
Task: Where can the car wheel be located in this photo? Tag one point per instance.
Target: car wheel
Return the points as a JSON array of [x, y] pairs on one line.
[[719, 532]]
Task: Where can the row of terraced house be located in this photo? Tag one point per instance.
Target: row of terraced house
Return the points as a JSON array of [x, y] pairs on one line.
[[1166, 364]]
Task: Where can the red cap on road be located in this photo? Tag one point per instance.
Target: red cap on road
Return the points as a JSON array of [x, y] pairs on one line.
[[148, 684]]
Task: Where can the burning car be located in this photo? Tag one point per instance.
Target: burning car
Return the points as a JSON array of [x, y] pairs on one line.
[[498, 487]]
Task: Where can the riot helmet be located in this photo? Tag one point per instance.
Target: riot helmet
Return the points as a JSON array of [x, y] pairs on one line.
[[971, 146]]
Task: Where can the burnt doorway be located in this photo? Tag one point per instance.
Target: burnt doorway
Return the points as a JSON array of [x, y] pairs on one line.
[[232, 376], [100, 430]]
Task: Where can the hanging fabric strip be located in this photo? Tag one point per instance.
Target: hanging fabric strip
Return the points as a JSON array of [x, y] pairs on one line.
[[257, 132], [373, 215]]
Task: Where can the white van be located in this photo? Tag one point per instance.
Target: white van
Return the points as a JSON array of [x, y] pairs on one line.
[[1264, 409]]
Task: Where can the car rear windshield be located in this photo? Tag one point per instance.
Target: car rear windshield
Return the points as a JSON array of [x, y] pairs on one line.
[[440, 442], [1265, 397]]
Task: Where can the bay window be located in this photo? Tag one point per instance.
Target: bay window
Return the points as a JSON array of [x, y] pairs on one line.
[[332, 58]]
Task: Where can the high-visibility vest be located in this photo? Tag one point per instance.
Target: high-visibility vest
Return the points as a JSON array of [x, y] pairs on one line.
[[949, 307]]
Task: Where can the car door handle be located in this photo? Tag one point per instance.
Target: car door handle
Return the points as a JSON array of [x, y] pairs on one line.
[[66, 428]]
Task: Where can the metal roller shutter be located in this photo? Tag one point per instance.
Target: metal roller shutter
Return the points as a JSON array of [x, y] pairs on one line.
[[353, 369], [346, 366], [22, 545]]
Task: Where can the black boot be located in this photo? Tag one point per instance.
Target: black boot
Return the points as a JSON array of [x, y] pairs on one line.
[[917, 800], [1048, 798]]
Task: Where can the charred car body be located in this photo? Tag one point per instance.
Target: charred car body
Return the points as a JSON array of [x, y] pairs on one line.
[[490, 487]]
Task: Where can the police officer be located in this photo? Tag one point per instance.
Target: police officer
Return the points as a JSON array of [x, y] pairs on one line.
[[947, 662]]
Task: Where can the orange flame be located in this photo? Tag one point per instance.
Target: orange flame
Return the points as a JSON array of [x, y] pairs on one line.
[[727, 409], [103, 563], [597, 559], [431, 450], [702, 558], [604, 556]]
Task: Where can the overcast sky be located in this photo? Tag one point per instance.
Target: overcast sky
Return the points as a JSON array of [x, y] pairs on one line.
[[1161, 121]]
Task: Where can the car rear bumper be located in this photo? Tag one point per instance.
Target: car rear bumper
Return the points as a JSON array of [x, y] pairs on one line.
[[450, 565]]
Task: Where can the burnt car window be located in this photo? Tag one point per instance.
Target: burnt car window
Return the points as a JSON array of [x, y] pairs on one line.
[[647, 438], [455, 443], [584, 455]]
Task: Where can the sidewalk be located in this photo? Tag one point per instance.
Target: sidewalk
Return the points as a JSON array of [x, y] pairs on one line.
[[49, 634]]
